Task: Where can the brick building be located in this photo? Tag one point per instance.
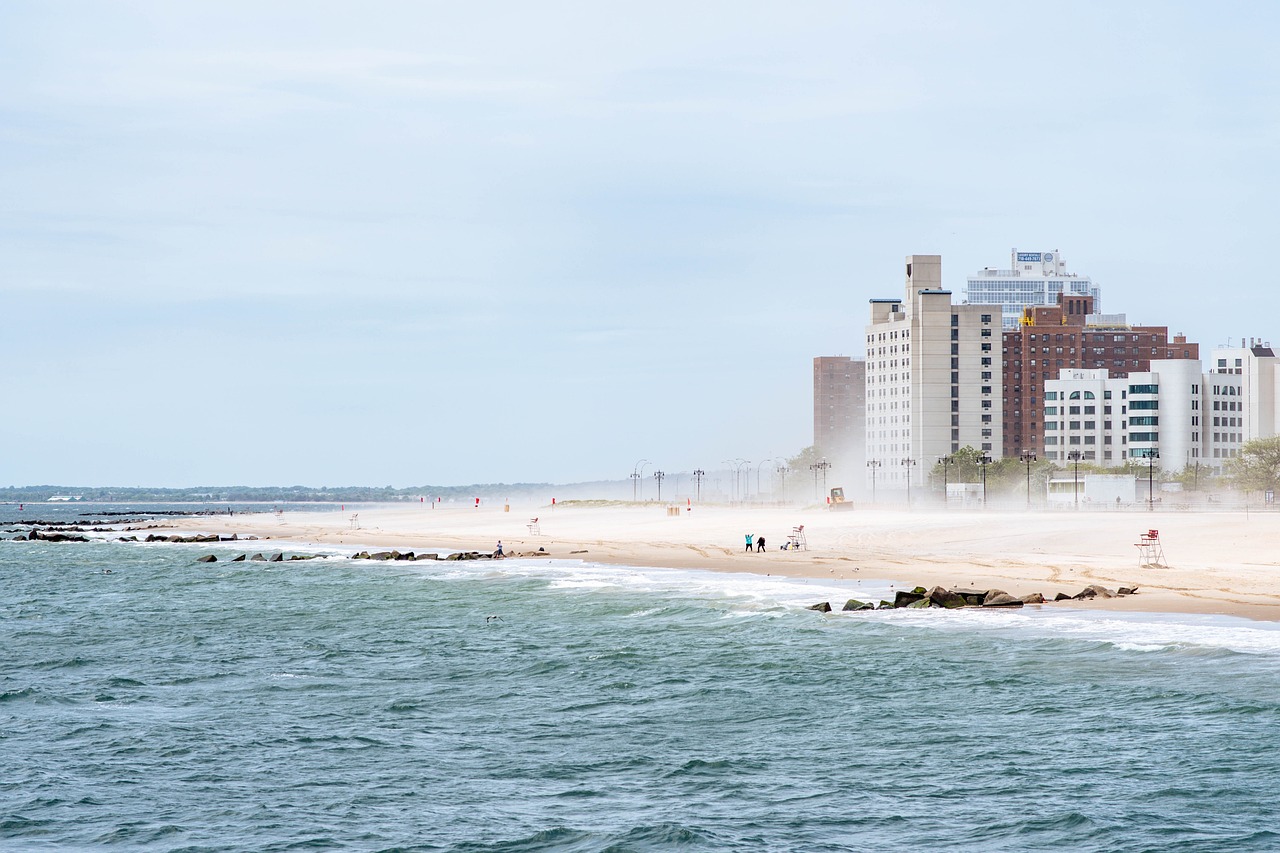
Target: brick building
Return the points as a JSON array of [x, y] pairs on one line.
[[1070, 335], [840, 414]]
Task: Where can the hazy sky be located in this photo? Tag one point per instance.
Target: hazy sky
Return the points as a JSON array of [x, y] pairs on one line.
[[407, 243]]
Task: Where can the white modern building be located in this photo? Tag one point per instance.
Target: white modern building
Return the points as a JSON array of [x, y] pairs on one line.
[[1169, 413], [933, 379], [1033, 278], [1255, 413]]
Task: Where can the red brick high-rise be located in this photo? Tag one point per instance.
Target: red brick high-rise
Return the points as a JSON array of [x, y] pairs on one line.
[[1070, 335]]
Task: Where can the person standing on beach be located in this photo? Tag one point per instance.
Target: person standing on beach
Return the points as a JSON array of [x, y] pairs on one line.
[[498, 553], [759, 544], [750, 536]]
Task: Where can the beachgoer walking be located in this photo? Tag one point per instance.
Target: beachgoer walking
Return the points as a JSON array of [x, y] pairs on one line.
[[759, 544], [750, 536], [498, 553]]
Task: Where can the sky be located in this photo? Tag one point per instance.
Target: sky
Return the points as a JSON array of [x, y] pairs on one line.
[[403, 243]]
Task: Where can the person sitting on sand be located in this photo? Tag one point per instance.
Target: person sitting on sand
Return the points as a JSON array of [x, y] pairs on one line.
[[750, 536], [759, 544]]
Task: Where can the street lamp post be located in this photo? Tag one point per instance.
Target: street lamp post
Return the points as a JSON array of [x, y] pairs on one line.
[[1152, 455], [635, 478], [907, 463], [758, 467], [821, 465], [658, 475], [983, 461], [1028, 457], [698, 474], [740, 476], [873, 465], [782, 484], [945, 461], [1074, 456]]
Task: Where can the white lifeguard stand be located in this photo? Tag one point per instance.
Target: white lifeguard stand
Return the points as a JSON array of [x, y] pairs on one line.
[[797, 541], [355, 521], [535, 529], [1150, 551]]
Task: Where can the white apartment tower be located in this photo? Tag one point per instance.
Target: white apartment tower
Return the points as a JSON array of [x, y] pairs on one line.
[[933, 379], [1033, 278]]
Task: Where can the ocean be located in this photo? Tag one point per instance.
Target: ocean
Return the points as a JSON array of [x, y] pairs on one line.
[[149, 702]]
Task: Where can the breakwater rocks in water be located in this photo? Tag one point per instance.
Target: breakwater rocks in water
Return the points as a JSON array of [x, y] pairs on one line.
[[453, 557], [954, 599], [258, 558]]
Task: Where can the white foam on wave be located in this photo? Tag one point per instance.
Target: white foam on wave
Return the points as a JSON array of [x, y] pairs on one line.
[[745, 595], [1129, 631]]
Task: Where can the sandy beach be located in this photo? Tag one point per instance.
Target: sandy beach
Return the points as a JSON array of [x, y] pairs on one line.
[[1218, 563]]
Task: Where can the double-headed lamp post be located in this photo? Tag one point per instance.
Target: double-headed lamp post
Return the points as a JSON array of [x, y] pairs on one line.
[[907, 463], [698, 474], [1028, 457], [1074, 456], [658, 475], [821, 465], [635, 477], [983, 461], [1152, 455], [945, 461], [873, 465]]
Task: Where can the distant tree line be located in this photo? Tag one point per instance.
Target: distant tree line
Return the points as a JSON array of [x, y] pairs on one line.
[[269, 494]]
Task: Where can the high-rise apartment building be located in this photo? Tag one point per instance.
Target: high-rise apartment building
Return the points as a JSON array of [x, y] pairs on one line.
[[840, 414], [933, 378], [1070, 335], [1033, 278]]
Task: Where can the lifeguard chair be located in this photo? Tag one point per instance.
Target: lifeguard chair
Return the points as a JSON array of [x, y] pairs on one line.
[[535, 529], [1150, 551], [797, 541]]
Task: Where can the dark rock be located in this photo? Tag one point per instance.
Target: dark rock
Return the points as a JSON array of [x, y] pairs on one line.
[[277, 558], [972, 597], [239, 559], [1062, 596], [1002, 600], [921, 604], [257, 558], [855, 604], [1033, 598], [207, 558], [992, 593], [363, 555], [381, 555], [457, 555], [428, 556], [946, 598], [822, 607], [304, 557], [55, 537], [884, 605], [406, 556], [902, 598], [1102, 591], [1127, 590], [920, 591]]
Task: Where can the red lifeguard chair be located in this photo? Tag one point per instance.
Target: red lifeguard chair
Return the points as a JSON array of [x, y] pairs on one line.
[[797, 540], [1150, 551]]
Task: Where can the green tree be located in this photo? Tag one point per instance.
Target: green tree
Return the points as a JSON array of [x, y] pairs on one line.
[[1257, 468]]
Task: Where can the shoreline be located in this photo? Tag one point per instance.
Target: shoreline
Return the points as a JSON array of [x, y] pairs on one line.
[[1218, 563]]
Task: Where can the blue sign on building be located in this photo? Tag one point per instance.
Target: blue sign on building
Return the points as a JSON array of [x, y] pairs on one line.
[[1029, 256]]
